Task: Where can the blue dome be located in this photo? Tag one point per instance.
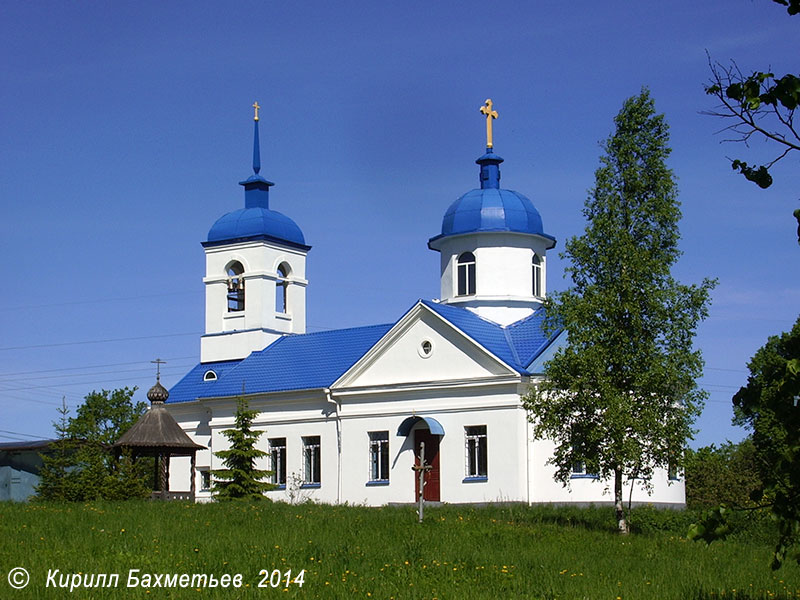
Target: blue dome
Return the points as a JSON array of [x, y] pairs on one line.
[[492, 210], [256, 223]]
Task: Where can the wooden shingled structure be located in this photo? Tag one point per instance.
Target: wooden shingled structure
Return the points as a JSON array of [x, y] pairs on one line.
[[157, 434]]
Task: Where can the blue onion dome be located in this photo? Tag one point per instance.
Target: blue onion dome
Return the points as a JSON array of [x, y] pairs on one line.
[[256, 221], [491, 208]]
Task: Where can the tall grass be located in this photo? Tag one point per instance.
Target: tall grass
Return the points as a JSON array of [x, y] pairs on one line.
[[357, 552]]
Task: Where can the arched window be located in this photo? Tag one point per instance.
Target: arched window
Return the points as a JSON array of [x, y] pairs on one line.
[[282, 288], [235, 273], [466, 274], [537, 276]]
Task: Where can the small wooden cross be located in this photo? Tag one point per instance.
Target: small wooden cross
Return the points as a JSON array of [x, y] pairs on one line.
[[490, 114], [421, 468], [256, 106]]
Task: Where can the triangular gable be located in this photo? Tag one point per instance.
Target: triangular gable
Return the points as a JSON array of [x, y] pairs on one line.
[[399, 357]]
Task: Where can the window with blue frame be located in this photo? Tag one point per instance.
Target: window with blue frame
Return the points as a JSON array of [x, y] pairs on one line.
[[379, 456], [579, 471], [277, 457], [312, 474], [476, 452]]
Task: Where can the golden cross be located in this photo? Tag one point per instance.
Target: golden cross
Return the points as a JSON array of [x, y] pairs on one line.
[[490, 114], [256, 106]]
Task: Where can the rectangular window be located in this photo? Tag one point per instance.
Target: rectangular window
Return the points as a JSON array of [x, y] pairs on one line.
[[277, 457], [379, 456], [311, 461], [477, 463], [579, 471], [672, 471], [205, 480]]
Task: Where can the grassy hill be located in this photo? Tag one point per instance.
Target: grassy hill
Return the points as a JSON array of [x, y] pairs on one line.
[[357, 552]]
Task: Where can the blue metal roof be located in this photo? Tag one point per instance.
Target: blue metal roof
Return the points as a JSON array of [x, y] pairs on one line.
[[492, 210], [292, 362], [257, 222], [317, 360], [433, 425]]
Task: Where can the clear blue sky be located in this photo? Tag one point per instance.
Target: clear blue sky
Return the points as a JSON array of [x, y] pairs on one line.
[[126, 127]]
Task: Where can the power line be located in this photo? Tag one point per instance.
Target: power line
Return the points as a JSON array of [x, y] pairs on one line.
[[143, 369], [36, 437], [100, 301], [129, 339], [123, 364]]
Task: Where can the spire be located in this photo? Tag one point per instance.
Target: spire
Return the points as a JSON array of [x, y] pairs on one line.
[[489, 162], [256, 188], [256, 149]]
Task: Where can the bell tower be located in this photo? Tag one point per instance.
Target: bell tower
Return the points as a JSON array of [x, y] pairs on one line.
[[255, 274]]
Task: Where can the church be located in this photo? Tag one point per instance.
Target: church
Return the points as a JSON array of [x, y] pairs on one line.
[[344, 412]]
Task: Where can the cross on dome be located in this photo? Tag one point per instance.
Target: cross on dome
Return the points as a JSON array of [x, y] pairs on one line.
[[487, 110]]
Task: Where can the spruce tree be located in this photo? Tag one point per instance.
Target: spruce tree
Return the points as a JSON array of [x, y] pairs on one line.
[[620, 395], [241, 479], [56, 477]]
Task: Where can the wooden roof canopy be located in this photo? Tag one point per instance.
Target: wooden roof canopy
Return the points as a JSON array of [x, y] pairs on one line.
[[156, 431]]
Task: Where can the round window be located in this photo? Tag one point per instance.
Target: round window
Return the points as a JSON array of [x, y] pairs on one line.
[[425, 348]]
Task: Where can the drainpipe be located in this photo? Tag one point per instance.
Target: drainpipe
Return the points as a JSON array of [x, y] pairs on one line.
[[330, 398]]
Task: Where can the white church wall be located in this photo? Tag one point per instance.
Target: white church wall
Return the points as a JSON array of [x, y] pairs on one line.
[[517, 469], [591, 490]]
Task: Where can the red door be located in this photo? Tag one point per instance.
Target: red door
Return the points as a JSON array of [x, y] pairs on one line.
[[431, 489]]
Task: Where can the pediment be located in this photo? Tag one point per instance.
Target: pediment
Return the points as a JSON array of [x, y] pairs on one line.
[[422, 347]]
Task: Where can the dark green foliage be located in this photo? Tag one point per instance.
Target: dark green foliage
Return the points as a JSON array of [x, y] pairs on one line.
[[713, 525], [56, 481], [621, 395], [768, 406], [761, 105], [81, 466], [721, 475], [241, 479]]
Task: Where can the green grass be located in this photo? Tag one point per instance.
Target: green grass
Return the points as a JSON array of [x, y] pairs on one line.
[[357, 552]]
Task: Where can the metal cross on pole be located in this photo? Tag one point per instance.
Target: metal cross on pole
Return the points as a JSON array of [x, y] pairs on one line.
[[421, 469]]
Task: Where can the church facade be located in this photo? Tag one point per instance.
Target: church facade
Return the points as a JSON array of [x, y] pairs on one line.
[[345, 412]]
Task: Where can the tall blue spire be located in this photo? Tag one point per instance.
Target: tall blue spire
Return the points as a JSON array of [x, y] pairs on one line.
[[256, 149], [256, 188]]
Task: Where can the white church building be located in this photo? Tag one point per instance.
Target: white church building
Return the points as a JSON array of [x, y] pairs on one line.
[[344, 411]]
